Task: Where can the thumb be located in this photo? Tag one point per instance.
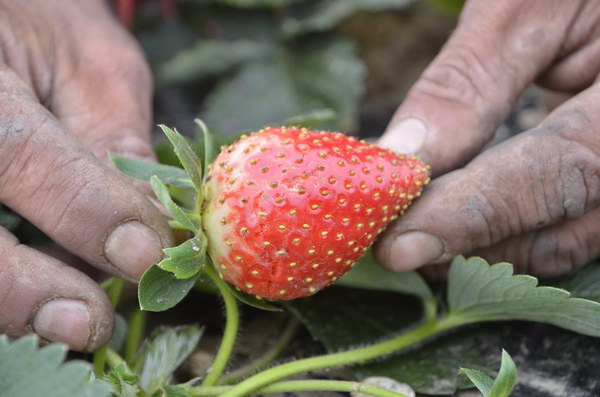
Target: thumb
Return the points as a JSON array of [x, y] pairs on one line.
[[526, 188], [459, 101]]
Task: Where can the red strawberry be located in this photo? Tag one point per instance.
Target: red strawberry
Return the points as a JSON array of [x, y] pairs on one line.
[[288, 211]]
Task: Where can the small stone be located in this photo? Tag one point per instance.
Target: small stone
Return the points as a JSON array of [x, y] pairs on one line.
[[386, 383]]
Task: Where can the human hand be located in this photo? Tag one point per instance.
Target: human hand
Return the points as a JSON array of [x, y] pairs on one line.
[[533, 199], [73, 86]]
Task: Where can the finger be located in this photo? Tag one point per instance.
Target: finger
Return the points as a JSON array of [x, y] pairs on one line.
[[551, 251], [42, 295], [47, 176], [468, 90], [103, 87], [542, 177], [574, 73]]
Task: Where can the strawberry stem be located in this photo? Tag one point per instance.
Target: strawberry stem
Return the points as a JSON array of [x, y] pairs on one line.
[[112, 287], [302, 385], [268, 357], [231, 329], [134, 334], [350, 357]]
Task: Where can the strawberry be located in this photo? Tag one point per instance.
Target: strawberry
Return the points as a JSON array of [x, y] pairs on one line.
[[287, 211]]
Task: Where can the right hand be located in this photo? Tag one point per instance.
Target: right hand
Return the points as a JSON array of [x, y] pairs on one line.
[[534, 199]]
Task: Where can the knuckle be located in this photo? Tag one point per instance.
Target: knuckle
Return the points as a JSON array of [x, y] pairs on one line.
[[578, 182], [20, 136], [122, 61], [458, 75]]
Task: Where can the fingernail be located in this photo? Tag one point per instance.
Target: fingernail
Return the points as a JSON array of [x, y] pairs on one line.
[[414, 249], [133, 247], [407, 136], [64, 320]]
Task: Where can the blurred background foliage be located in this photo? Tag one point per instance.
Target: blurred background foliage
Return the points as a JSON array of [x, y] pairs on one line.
[[242, 64]]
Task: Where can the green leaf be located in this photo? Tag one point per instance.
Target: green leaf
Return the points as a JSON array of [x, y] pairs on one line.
[[190, 161], [117, 340], [26, 370], [505, 381], [367, 274], [125, 384], [479, 292], [187, 219], [206, 59], [480, 379], [160, 290], [209, 149], [143, 170], [185, 260], [164, 352], [173, 391], [310, 76], [507, 377], [311, 119], [582, 284], [342, 317], [324, 15]]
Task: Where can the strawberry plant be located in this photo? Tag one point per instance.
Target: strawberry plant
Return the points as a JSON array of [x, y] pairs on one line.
[[476, 292]]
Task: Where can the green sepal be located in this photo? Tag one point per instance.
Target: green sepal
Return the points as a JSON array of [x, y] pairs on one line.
[[143, 170], [185, 260], [209, 144], [188, 158], [189, 220], [253, 300], [160, 290]]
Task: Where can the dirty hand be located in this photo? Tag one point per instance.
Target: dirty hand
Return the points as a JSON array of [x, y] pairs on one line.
[[73, 86], [532, 200]]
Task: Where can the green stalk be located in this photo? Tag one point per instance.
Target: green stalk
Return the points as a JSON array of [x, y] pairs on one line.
[[113, 287], [231, 328], [268, 357], [135, 331], [113, 359], [349, 357], [301, 385]]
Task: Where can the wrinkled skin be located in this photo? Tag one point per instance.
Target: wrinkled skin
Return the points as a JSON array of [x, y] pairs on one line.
[[532, 200], [73, 86]]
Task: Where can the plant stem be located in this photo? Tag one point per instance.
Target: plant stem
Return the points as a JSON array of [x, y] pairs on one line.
[[231, 329], [114, 291], [113, 359], [301, 385], [113, 288], [135, 330], [349, 357], [268, 357], [429, 309], [99, 361]]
